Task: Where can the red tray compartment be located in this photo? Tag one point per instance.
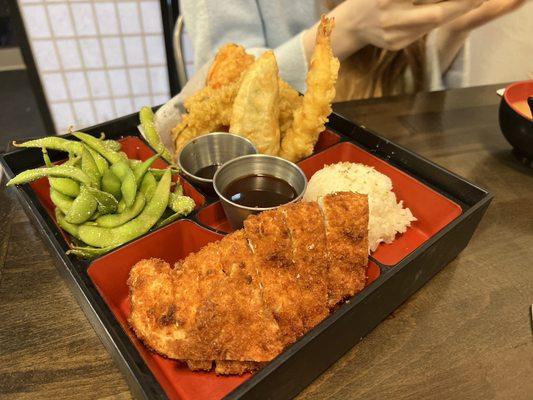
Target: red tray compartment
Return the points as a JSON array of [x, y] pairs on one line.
[[171, 243], [432, 210], [326, 139], [135, 148]]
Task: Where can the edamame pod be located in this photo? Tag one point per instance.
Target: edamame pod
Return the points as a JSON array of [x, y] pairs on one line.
[[83, 207], [107, 204], [67, 227], [64, 203], [146, 116], [182, 205], [148, 185], [66, 186], [128, 185], [140, 169], [100, 161], [62, 171], [89, 252], [88, 165], [96, 144], [113, 220], [53, 143], [112, 145], [111, 184], [154, 209]]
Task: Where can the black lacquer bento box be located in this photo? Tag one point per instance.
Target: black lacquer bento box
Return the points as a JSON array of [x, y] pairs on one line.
[[447, 206]]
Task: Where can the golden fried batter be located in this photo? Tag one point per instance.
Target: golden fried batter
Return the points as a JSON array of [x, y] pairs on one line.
[[306, 230], [230, 62], [237, 303], [255, 113], [346, 221], [310, 118]]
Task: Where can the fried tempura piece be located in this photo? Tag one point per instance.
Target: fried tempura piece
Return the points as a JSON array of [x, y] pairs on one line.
[[255, 112], [289, 100], [209, 110], [346, 222], [229, 64], [311, 116]]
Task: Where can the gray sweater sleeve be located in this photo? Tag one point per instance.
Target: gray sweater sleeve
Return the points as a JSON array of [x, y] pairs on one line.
[[213, 23]]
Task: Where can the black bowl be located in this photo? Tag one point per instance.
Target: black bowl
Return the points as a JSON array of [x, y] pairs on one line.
[[515, 119]]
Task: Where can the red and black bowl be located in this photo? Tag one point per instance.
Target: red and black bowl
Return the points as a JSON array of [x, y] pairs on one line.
[[515, 118]]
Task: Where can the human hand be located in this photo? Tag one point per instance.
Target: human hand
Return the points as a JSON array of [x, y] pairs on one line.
[[487, 12], [395, 24], [388, 24]]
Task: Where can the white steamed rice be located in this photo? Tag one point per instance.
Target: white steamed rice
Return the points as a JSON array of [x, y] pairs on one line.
[[387, 217]]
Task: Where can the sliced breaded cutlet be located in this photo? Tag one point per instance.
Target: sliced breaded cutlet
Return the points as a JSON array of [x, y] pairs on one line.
[[269, 239], [346, 222], [207, 298], [304, 222]]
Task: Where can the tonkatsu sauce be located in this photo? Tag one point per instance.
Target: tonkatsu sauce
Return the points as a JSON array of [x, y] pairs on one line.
[[260, 191], [207, 172]]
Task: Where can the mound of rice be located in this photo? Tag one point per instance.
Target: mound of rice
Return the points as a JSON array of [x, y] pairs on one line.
[[387, 217]]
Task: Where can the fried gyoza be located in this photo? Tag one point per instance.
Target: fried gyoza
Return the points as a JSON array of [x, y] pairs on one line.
[[229, 64], [310, 118], [255, 113], [237, 303]]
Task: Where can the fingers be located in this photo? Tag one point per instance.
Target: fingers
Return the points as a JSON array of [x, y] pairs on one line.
[[433, 15]]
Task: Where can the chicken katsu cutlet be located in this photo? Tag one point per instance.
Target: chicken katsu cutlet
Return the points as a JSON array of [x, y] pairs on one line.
[[237, 303], [346, 224]]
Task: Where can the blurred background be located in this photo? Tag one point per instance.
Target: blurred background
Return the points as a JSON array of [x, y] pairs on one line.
[[82, 62]]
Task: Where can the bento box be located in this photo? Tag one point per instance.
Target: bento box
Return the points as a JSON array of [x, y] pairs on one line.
[[448, 209]]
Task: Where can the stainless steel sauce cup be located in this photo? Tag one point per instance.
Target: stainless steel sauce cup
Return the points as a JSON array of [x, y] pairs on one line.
[[212, 149], [251, 165]]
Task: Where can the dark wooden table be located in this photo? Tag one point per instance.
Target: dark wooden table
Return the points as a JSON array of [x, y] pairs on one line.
[[465, 335]]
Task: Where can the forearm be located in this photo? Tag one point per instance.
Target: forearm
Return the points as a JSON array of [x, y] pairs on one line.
[[449, 43]]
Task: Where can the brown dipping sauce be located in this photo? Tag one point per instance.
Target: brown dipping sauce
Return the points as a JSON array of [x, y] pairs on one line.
[[207, 172], [260, 191]]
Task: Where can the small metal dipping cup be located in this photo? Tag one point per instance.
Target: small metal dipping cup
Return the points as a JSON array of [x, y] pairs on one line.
[[212, 149], [251, 165]]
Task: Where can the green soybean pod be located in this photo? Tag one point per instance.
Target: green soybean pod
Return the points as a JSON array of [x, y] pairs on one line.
[[89, 252], [61, 171], [67, 227], [112, 145], [148, 185], [64, 203], [128, 186], [140, 169], [53, 143], [146, 116], [111, 184], [113, 220], [105, 237], [66, 186], [182, 205], [107, 204], [83, 207], [88, 165], [158, 173], [96, 144], [100, 161]]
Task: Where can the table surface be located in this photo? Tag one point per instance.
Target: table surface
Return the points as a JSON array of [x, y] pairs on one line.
[[465, 335]]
